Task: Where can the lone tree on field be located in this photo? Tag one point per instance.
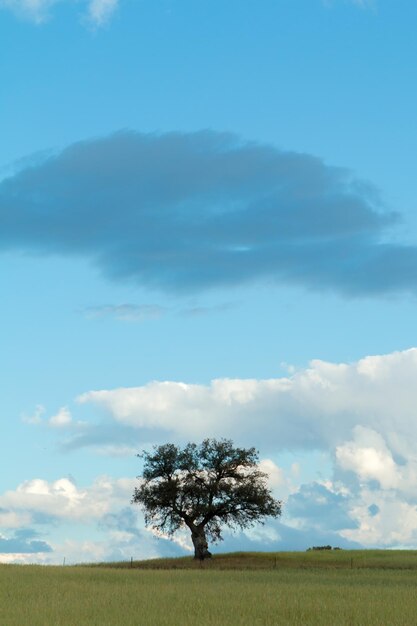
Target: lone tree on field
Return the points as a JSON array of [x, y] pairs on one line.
[[203, 487]]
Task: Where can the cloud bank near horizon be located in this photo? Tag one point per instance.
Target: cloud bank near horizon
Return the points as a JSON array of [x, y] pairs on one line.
[[38, 507], [187, 212], [361, 416]]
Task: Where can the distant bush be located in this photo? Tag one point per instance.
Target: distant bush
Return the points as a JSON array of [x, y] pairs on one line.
[[322, 548]]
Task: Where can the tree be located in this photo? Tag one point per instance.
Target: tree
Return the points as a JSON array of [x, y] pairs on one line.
[[203, 487]]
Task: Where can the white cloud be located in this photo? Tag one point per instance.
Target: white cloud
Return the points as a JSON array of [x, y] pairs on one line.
[[98, 12], [103, 525], [278, 481], [61, 419], [368, 456], [181, 538], [62, 499], [36, 11], [394, 522], [69, 552], [362, 413], [115, 546], [23, 558], [317, 407], [36, 418], [13, 519]]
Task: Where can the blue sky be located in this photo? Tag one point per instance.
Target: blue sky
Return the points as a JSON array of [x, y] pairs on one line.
[[208, 228]]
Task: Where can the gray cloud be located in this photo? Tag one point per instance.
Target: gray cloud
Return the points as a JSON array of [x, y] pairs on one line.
[[186, 212], [136, 540], [273, 535], [23, 542], [104, 433], [314, 505], [276, 536], [199, 310], [126, 312]]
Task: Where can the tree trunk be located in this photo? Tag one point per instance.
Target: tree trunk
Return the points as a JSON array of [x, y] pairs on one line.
[[200, 544]]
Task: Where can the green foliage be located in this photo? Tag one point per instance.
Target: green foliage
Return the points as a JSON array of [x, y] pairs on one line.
[[204, 487]]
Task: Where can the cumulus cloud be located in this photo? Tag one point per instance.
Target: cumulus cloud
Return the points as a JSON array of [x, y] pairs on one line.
[[61, 419], [369, 458], [361, 414], [314, 408], [62, 499], [373, 507], [61, 507], [98, 12], [384, 518], [13, 519], [187, 212], [372, 460], [117, 529], [102, 510], [276, 475]]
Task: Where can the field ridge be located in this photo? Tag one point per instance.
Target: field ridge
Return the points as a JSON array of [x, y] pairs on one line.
[[313, 559]]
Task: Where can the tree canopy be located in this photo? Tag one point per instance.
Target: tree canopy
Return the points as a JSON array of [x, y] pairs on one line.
[[204, 487]]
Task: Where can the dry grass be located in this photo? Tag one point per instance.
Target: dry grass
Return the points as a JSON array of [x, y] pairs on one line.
[[303, 589], [327, 559]]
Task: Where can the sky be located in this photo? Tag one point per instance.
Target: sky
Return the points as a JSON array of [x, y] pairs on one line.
[[208, 228]]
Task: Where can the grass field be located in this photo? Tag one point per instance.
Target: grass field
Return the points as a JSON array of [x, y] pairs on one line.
[[336, 588]]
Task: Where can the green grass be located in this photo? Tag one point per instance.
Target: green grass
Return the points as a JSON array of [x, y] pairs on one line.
[[297, 589], [333, 559]]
